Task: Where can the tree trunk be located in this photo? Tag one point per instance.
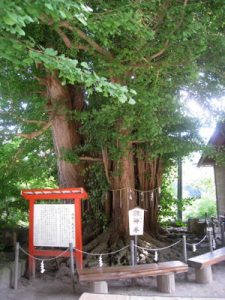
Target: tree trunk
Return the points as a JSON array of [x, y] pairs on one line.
[[62, 100], [123, 194], [150, 176]]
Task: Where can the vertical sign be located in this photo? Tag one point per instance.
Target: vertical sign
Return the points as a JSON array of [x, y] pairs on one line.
[[136, 221]]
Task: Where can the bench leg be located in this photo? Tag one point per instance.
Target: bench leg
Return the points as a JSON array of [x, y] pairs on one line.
[[203, 275], [166, 283], [100, 287]]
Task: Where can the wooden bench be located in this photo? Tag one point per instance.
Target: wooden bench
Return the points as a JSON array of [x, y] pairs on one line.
[[202, 264], [164, 272]]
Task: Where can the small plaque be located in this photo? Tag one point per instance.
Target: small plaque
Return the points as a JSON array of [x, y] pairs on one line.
[[136, 221]]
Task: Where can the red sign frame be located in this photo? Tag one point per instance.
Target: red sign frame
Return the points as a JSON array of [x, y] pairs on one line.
[[75, 194]]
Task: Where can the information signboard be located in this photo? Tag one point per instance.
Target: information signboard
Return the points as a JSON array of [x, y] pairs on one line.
[[136, 221], [54, 225]]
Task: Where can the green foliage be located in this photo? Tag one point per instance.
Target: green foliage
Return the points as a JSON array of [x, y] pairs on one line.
[[97, 186], [22, 168], [200, 207], [18, 45], [206, 204], [169, 203]]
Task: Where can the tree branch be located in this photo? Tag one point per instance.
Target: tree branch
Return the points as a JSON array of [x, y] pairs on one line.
[[68, 42], [182, 15], [106, 164], [64, 37], [90, 41], [37, 133], [37, 122], [159, 53]]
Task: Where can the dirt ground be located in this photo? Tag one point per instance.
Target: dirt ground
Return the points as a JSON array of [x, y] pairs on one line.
[[49, 287]]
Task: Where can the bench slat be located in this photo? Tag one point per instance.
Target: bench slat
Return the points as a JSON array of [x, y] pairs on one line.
[[125, 272], [207, 259]]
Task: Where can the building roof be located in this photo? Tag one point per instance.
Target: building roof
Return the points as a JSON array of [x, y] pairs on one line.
[[216, 140]]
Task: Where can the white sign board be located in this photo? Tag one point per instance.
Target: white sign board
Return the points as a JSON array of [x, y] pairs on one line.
[[54, 225], [136, 221]]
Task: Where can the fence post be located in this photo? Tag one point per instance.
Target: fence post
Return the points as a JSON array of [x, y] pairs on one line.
[[16, 264], [72, 265], [222, 232], [135, 249], [132, 252], [184, 240], [213, 228], [210, 240], [184, 248]]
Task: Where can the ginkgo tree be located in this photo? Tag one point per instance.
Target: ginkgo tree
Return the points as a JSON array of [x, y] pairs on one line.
[[105, 77]]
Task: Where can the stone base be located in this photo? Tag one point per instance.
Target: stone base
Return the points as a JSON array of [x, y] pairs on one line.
[[7, 273], [99, 287], [203, 275], [5, 277], [166, 283]]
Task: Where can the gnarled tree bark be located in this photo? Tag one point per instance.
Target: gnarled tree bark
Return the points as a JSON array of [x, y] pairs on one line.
[[62, 101]]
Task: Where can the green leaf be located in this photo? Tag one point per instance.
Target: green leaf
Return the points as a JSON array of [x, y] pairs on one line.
[[85, 65], [50, 52], [131, 101], [7, 19], [49, 6], [123, 98]]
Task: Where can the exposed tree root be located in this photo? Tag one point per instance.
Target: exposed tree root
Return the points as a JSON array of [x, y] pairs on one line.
[[111, 241]]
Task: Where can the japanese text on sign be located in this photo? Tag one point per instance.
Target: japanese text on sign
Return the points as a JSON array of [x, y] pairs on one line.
[[54, 225], [136, 221]]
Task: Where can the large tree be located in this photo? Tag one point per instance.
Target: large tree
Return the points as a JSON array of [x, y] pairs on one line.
[[124, 65]]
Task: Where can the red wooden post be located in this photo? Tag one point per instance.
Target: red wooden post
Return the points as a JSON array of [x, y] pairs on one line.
[[32, 264], [77, 194], [78, 235]]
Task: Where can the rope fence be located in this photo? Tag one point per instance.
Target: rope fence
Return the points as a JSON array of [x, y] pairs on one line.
[[157, 249], [133, 246], [43, 259], [194, 245]]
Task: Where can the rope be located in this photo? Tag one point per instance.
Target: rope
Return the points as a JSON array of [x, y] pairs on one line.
[[101, 254], [45, 259], [196, 244], [157, 249], [78, 250], [132, 189]]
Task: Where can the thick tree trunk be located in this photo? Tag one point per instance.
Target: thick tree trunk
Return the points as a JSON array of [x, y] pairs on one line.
[[150, 176], [123, 193], [62, 100]]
